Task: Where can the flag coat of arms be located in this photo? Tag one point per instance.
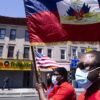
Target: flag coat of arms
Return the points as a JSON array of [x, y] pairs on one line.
[[58, 21]]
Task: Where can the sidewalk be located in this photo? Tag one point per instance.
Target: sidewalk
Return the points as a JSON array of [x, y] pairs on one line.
[[22, 92], [18, 92]]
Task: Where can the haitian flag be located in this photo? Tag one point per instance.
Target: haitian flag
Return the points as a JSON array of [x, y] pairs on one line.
[[58, 21]]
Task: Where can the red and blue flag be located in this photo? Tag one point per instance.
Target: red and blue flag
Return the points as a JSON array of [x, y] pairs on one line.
[[58, 21]]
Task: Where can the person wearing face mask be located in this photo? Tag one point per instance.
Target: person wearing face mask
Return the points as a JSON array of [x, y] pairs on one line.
[[88, 75], [50, 85], [62, 89], [81, 78]]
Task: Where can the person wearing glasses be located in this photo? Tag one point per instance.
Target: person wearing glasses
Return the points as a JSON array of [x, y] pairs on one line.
[[88, 75], [62, 89]]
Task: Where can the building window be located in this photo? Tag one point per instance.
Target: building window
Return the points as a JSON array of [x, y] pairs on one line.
[[49, 53], [26, 52], [12, 34], [40, 50], [74, 52], [26, 35], [2, 33], [1, 49], [62, 54], [10, 51], [94, 49], [83, 50]]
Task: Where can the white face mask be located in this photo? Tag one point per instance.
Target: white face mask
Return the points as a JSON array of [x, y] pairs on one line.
[[81, 78], [54, 79]]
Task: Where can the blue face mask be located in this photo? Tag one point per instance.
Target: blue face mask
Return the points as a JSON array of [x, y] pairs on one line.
[[81, 78], [54, 79]]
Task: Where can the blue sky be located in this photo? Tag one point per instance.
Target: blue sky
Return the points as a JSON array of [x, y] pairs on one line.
[[12, 8]]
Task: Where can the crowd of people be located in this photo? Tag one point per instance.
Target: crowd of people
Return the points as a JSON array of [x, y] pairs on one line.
[[87, 76]]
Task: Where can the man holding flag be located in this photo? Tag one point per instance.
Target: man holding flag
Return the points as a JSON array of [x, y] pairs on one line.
[[62, 90]]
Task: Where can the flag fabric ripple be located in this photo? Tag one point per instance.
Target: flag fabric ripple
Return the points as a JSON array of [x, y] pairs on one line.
[[58, 21], [44, 61]]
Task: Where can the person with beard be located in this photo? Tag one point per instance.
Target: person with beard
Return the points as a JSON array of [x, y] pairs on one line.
[[88, 75], [62, 90]]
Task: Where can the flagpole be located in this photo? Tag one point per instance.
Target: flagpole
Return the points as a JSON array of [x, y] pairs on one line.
[[35, 69], [34, 65]]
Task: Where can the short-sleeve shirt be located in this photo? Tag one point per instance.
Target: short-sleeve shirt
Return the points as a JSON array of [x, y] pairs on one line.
[[94, 96], [63, 92]]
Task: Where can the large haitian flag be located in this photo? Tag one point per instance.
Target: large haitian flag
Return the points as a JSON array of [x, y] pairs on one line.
[[57, 21]]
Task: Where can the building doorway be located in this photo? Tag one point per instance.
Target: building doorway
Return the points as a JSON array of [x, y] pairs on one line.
[[26, 79]]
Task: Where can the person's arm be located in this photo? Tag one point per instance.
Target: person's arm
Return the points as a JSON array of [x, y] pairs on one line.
[[41, 92]]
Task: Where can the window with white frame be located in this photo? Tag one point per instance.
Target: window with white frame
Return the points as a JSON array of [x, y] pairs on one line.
[[40, 50], [2, 33], [1, 51], [94, 49], [26, 52], [12, 34], [26, 35], [63, 54], [10, 51], [74, 52], [49, 53], [83, 50]]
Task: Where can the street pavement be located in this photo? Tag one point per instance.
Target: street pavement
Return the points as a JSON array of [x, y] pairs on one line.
[[18, 92], [24, 94], [20, 98]]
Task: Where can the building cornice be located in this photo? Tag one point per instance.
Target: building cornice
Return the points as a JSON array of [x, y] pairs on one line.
[[12, 20]]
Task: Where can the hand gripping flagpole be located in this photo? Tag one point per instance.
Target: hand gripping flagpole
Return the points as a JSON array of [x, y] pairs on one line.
[[34, 64]]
